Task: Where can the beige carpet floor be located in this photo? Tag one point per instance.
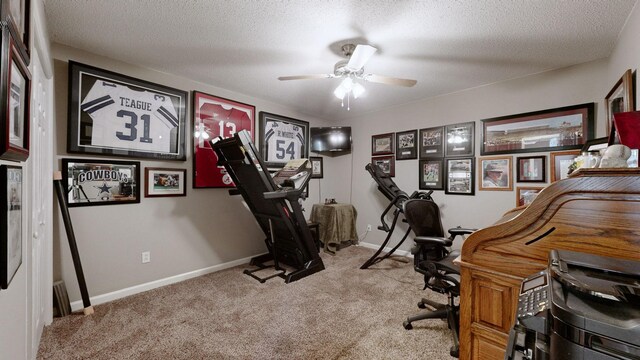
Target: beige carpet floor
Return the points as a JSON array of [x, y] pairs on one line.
[[339, 313]]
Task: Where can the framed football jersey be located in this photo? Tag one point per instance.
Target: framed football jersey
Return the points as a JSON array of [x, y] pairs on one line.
[[117, 115], [282, 139], [213, 117]]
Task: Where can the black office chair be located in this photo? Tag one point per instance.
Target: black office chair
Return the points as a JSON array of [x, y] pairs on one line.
[[433, 258]]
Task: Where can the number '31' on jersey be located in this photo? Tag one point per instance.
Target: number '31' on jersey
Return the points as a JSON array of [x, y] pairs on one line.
[[129, 119]]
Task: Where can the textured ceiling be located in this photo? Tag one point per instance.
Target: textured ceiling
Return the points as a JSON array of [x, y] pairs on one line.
[[245, 45]]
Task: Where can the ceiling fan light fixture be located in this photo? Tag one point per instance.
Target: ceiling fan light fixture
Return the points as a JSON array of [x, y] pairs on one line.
[[357, 90], [340, 92], [347, 84]]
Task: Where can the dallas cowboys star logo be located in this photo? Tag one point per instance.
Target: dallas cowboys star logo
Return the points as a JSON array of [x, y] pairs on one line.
[[103, 188]]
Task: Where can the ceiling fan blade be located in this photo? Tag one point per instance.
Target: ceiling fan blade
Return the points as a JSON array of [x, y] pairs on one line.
[[360, 56], [389, 80], [305, 77]]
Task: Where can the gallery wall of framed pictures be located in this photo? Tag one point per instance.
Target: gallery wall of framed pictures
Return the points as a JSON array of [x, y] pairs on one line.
[[446, 152]]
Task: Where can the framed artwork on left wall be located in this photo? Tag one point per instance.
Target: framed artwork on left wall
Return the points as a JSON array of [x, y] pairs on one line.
[[15, 91], [10, 222]]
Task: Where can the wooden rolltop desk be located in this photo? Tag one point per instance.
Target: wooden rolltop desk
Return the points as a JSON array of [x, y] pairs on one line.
[[594, 210]]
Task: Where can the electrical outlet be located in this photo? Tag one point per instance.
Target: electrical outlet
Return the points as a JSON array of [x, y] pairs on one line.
[[146, 257], [368, 227]]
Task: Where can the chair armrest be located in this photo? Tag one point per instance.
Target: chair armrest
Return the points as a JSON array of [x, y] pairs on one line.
[[457, 231], [433, 240]]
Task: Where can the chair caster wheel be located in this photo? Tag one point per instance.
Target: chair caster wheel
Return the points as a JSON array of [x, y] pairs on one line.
[[421, 305], [454, 351], [407, 325]]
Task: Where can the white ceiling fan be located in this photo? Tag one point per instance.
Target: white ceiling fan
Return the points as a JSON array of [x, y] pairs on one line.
[[352, 69]]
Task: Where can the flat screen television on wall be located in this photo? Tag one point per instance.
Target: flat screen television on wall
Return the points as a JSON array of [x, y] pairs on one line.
[[334, 138]]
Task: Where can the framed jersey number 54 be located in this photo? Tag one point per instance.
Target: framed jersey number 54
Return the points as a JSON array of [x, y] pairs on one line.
[[117, 115], [282, 139]]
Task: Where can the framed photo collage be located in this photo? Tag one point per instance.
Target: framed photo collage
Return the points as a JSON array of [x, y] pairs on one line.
[[446, 153]]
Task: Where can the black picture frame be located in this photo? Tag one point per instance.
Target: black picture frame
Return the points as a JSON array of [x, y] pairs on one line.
[[215, 116], [387, 163], [382, 144], [11, 237], [596, 144], [555, 129], [460, 139], [15, 88], [531, 169], [317, 167], [17, 18], [147, 120], [278, 137], [90, 180], [460, 176], [431, 142], [407, 145], [431, 174]]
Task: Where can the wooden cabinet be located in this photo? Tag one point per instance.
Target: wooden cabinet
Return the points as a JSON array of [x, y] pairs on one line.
[[594, 211]]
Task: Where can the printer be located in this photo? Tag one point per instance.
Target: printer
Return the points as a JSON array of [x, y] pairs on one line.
[[582, 306]]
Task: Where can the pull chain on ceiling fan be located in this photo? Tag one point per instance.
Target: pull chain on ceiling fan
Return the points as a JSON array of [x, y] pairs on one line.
[[351, 70]]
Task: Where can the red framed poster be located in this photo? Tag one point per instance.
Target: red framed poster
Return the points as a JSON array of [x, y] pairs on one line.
[[212, 117]]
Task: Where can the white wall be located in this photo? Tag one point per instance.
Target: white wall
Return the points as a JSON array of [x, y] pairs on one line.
[[208, 227]]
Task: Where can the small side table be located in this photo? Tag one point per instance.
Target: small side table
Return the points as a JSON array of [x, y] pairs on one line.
[[337, 224]]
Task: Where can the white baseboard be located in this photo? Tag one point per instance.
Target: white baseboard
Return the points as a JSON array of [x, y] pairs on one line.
[[119, 294], [387, 249]]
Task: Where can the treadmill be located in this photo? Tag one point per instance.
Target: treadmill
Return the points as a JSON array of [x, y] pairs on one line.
[[274, 201]]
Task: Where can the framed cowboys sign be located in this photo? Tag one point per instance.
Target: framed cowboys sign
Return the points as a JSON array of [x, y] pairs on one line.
[[98, 182], [212, 117], [117, 115], [282, 139]]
